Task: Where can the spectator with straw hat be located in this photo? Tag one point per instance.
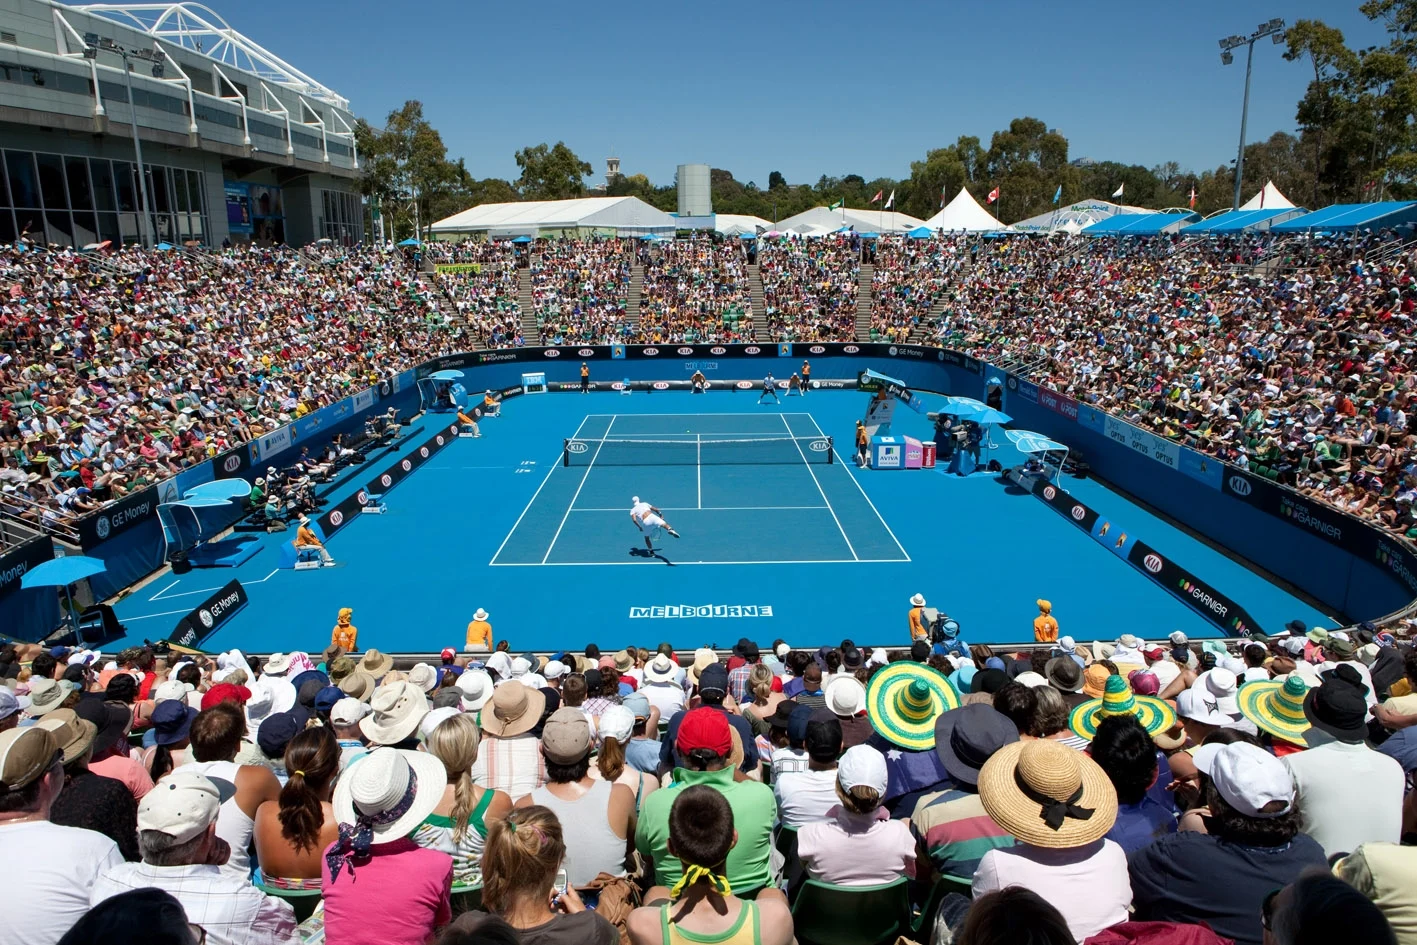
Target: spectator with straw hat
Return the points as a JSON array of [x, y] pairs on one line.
[[1059, 805], [509, 759]]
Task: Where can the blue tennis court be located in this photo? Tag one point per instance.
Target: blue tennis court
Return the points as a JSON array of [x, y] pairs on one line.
[[776, 542]]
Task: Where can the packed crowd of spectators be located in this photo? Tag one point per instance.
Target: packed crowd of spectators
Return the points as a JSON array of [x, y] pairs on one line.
[[487, 298], [910, 276], [1119, 792], [580, 290], [120, 370], [694, 291], [810, 287]]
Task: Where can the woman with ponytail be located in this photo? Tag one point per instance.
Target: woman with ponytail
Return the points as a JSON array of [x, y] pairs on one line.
[[458, 825], [293, 832], [521, 860], [701, 908]]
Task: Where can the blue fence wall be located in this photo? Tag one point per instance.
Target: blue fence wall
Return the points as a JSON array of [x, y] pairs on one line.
[[1349, 566]]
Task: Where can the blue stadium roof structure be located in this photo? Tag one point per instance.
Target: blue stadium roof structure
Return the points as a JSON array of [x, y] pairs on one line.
[[1140, 224], [1238, 221], [1345, 217]]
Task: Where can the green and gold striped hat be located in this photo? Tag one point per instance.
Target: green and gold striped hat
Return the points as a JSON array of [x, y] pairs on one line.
[[903, 700], [1155, 715], [1277, 708]]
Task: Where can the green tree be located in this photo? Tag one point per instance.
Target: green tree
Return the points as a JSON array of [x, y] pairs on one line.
[[405, 167], [776, 181], [551, 172]]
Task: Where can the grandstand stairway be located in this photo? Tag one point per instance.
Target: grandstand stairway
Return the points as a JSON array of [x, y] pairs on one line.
[[757, 300], [925, 329], [863, 301], [531, 331], [632, 302]]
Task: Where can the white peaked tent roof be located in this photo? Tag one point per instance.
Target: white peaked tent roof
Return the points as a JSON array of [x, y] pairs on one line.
[[820, 220], [735, 224], [629, 214], [1269, 198], [964, 213], [1074, 217]]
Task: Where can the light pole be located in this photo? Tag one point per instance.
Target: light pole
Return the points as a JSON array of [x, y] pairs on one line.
[[93, 44], [1273, 28]]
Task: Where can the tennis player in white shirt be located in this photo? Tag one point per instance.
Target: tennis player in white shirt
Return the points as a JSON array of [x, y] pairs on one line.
[[649, 521]]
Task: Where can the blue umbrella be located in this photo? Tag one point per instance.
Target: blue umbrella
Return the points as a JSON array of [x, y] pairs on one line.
[[445, 375], [62, 572], [220, 489], [985, 416], [164, 247]]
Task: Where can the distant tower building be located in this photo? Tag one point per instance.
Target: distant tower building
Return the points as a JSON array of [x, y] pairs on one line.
[[695, 196], [612, 170]]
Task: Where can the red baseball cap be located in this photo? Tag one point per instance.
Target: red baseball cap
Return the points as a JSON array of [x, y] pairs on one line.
[[449, 654], [705, 728], [225, 692]]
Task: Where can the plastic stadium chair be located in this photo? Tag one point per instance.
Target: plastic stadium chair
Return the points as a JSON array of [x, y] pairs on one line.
[[303, 901], [466, 899], [785, 842], [824, 914]]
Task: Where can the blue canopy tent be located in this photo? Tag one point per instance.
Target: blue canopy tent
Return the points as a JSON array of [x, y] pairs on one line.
[[441, 391], [870, 236], [1140, 224], [164, 247], [1037, 444], [921, 233], [1241, 221], [522, 239], [205, 511], [747, 236], [64, 572], [1346, 217], [410, 242]]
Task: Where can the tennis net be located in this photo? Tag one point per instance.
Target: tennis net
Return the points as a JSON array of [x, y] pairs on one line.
[[698, 452]]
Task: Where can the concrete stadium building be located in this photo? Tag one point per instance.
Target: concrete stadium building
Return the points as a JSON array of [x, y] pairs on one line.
[[234, 143]]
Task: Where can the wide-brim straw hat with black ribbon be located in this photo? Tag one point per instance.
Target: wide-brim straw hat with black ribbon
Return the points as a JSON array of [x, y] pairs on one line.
[[903, 700], [1047, 794], [1277, 708], [1155, 715]]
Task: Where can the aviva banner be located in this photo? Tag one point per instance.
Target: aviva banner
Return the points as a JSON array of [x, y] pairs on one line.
[[457, 267]]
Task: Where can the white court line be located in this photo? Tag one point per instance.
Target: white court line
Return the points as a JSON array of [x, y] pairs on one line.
[[169, 613], [721, 508], [165, 613], [205, 590], [852, 476], [532, 500], [584, 477], [739, 414], [164, 590], [699, 465], [811, 473], [631, 564]]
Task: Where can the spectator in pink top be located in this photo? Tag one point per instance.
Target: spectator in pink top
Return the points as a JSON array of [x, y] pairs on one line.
[[110, 746], [380, 887]]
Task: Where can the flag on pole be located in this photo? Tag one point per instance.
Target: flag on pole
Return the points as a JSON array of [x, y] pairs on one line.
[[1057, 195], [942, 198], [1193, 196], [879, 195], [993, 195], [890, 201], [1120, 187], [835, 206]]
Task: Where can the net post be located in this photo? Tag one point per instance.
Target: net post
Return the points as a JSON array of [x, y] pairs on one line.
[[831, 451], [566, 453]]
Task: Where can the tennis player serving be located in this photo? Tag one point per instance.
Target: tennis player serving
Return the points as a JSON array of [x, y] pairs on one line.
[[649, 520]]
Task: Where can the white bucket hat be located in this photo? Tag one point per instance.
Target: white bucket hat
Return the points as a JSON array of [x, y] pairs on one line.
[[398, 708], [661, 669], [845, 696], [476, 687], [423, 676], [384, 798]]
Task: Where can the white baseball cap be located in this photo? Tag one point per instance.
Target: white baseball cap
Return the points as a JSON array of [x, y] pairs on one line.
[[617, 722], [1247, 777], [348, 711], [862, 766], [435, 718], [1190, 704], [181, 805], [170, 689], [555, 669]]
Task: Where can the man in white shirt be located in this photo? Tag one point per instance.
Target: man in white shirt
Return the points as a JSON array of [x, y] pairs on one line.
[[804, 797], [1348, 794], [649, 521], [49, 868], [183, 855], [662, 686]]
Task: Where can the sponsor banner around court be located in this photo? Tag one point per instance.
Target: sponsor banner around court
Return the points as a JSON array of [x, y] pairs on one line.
[[17, 562], [700, 611], [455, 268], [1058, 403], [1092, 418], [232, 463], [1077, 511], [209, 616], [670, 350], [1201, 467], [1392, 556], [1329, 524], [1230, 617], [1148, 444], [363, 400], [112, 520], [1025, 389], [342, 514], [399, 471], [270, 444]]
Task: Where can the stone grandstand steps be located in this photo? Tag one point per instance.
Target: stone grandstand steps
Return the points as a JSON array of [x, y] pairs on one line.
[[632, 301], [863, 301], [531, 331], [757, 301], [925, 329]]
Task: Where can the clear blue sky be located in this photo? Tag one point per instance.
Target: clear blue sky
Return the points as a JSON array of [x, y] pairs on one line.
[[807, 88]]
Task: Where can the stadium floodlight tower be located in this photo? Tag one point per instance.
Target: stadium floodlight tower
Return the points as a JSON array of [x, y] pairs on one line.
[[93, 45], [1275, 28]]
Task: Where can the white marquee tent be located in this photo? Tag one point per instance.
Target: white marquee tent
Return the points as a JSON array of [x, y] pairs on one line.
[[820, 220], [1074, 217], [964, 214], [736, 224], [1269, 198], [614, 216]]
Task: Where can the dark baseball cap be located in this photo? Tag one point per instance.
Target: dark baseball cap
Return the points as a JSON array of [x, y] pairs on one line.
[[823, 738], [713, 679]]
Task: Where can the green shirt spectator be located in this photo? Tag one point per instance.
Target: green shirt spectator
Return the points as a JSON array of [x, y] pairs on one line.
[[704, 744]]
